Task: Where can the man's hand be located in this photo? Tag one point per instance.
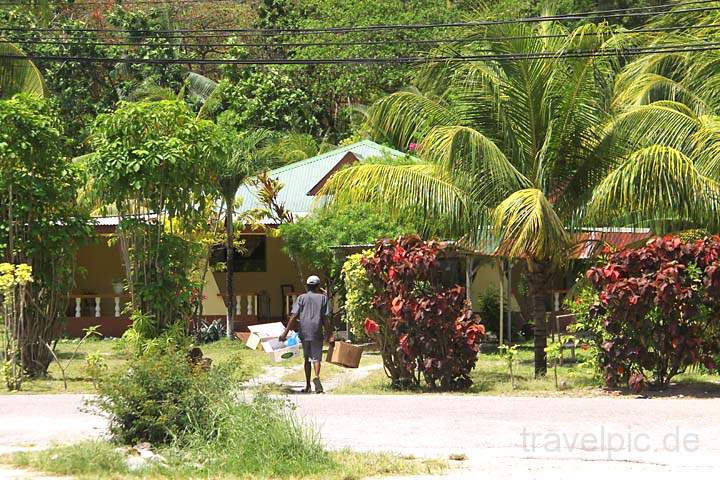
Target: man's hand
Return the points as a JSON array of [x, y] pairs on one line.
[[331, 339], [283, 337]]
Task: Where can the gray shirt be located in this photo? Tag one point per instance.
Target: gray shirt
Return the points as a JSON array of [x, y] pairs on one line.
[[311, 309]]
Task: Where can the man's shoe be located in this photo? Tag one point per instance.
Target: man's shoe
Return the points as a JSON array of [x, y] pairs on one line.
[[318, 385]]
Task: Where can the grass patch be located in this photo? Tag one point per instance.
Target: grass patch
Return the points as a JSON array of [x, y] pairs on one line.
[[79, 381], [105, 461], [491, 377]]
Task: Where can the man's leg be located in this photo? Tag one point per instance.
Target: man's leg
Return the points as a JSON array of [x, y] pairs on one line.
[[307, 351], [315, 356]]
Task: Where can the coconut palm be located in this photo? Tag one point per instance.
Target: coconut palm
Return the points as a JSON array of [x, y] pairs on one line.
[[243, 157], [517, 153], [17, 74]]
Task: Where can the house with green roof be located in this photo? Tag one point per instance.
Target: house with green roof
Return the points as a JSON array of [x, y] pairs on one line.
[[265, 277]]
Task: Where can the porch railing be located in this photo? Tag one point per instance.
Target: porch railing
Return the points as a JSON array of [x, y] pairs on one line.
[[289, 302], [245, 304], [97, 298]]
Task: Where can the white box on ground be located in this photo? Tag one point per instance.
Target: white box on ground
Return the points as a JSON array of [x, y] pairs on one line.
[[265, 331], [278, 351]]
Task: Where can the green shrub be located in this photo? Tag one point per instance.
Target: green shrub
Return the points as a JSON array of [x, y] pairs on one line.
[[192, 416], [359, 295], [161, 397], [488, 305], [95, 366]]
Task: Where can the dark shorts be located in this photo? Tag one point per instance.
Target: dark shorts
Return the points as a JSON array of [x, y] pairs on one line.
[[312, 350]]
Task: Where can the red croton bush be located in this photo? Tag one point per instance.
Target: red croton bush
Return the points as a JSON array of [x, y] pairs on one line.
[[660, 309], [425, 331]]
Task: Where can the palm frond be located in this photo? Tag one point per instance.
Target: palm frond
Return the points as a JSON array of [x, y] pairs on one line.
[[425, 189], [527, 226], [663, 122], [408, 116], [655, 182], [18, 75], [459, 147]]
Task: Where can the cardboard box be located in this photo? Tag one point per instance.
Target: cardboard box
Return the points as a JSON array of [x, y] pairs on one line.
[[344, 354], [262, 332], [242, 336], [278, 351]]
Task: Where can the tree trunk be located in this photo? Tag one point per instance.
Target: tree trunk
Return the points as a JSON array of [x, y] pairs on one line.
[[229, 269], [538, 276]]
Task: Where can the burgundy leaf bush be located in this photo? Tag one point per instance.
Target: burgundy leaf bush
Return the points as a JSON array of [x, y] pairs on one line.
[[660, 310], [425, 331]]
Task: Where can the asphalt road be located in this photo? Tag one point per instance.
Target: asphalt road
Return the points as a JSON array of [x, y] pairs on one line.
[[500, 437]]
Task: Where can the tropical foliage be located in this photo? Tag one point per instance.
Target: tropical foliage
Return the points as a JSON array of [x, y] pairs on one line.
[[514, 155], [310, 239], [13, 282], [359, 294], [240, 157], [40, 222], [151, 163], [659, 311], [18, 75], [424, 329]]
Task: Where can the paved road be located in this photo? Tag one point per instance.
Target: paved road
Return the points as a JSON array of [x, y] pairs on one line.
[[511, 437]]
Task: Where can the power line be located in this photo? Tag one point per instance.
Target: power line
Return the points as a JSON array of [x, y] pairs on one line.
[[119, 3], [709, 46], [457, 40], [615, 13]]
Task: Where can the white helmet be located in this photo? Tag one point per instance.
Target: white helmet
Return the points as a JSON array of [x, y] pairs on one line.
[[313, 281]]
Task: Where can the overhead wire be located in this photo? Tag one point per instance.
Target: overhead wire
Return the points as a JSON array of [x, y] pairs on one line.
[[456, 40], [707, 46], [614, 13]]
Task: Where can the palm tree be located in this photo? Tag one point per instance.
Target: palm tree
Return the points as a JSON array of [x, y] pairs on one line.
[[243, 157], [521, 152], [18, 74]]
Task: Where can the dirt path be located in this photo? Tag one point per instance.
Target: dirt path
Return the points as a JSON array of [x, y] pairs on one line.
[[275, 375]]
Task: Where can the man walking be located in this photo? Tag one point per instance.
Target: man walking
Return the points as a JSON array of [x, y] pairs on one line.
[[311, 309]]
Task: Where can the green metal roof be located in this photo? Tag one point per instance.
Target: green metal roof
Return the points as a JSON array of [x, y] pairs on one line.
[[299, 178]]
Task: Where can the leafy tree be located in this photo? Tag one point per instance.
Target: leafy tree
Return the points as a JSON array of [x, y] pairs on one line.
[[269, 98], [78, 101], [309, 240], [40, 222], [151, 163], [522, 152], [241, 158]]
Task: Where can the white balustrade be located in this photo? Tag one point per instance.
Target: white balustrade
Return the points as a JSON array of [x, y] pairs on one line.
[[238, 308], [97, 306], [252, 304]]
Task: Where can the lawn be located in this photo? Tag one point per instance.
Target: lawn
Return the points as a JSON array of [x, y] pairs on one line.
[[491, 377], [79, 380], [105, 461]]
